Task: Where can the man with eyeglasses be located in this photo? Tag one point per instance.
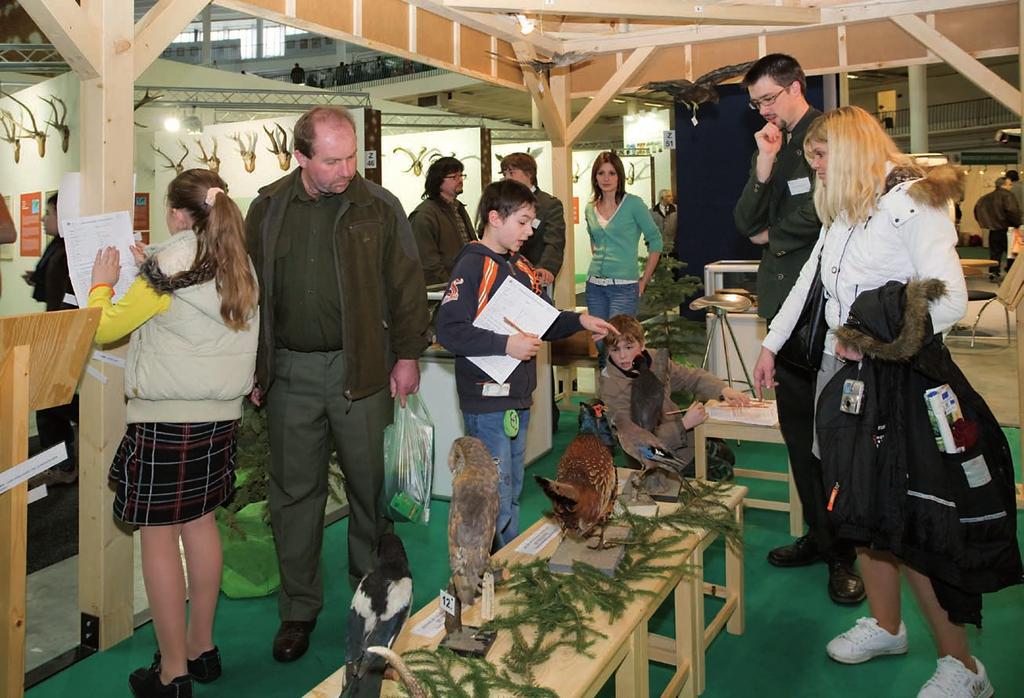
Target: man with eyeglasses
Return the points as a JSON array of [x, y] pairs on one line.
[[776, 211], [440, 223]]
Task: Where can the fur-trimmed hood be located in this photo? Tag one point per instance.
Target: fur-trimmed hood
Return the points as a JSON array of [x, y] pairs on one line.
[[892, 322], [938, 186]]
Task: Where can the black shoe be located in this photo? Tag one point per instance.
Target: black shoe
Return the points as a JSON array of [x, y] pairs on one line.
[[145, 683], [204, 668], [844, 584], [292, 639], [802, 551]]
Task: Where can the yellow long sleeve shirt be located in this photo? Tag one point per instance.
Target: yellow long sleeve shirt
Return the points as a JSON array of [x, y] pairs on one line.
[[140, 303]]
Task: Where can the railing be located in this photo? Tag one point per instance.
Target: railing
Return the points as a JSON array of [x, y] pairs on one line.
[[368, 71], [953, 116]]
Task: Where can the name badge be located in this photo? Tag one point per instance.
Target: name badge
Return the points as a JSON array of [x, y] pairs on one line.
[[496, 389], [801, 185], [535, 223]]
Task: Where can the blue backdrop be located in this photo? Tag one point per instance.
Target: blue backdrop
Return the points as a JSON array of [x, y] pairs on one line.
[[712, 164]]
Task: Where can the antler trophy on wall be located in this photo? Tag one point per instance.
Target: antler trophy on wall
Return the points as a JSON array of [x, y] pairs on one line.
[[279, 145], [246, 143], [179, 166], [10, 134], [59, 122], [417, 160], [34, 132], [211, 161]]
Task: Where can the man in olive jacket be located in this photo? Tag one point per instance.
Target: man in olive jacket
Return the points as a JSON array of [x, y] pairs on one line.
[[546, 247], [343, 322], [440, 224], [776, 210]]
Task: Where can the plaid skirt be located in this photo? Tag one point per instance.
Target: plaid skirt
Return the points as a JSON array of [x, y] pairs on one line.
[[167, 473]]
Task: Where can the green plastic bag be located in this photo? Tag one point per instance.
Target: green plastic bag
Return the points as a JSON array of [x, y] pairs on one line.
[[250, 559], [409, 462]]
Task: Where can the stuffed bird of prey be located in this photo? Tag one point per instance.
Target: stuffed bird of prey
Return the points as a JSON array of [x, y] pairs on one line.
[[379, 608], [539, 65], [472, 515], [586, 484], [700, 91]]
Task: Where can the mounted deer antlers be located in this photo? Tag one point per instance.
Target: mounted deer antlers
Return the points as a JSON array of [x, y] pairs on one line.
[[633, 174], [34, 132], [146, 99], [575, 172], [179, 166], [10, 127], [247, 149], [279, 146], [211, 161], [417, 160], [59, 123]]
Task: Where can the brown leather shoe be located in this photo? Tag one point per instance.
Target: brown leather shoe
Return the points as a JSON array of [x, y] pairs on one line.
[[292, 639]]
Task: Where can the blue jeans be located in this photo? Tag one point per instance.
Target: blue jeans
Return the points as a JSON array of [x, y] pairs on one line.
[[607, 301], [510, 455]]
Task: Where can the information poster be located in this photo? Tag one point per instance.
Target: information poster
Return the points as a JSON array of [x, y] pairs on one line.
[[576, 210], [31, 229], [140, 219]]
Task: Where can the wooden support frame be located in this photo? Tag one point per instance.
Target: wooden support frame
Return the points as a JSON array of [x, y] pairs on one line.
[[960, 60], [629, 68], [70, 30], [651, 10], [553, 117]]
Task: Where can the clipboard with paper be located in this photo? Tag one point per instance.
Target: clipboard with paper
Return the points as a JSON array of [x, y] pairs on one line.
[[526, 310]]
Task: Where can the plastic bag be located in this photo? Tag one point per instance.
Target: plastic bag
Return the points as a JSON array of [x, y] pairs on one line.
[[409, 462], [250, 559]]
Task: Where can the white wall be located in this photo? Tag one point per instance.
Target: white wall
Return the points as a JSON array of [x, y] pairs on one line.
[[541, 152], [400, 179]]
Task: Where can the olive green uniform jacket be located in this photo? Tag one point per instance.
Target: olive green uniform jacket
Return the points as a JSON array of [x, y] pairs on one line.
[[792, 223], [379, 280], [546, 247]]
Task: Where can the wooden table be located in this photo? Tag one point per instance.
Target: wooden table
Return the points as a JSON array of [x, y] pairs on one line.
[[977, 267], [751, 432], [626, 647]]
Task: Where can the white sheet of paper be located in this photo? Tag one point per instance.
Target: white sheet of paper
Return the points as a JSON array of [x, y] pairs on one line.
[[431, 625], [84, 237], [17, 474], [767, 415], [526, 309], [69, 196], [540, 538]]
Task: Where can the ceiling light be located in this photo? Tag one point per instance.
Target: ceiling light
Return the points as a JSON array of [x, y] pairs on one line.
[[193, 124], [619, 101], [526, 25], [651, 104], [172, 124]]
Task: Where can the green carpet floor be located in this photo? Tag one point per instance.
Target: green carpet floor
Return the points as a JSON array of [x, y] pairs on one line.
[[789, 619]]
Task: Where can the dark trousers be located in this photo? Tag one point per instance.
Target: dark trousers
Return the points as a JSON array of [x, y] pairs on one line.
[[57, 424], [997, 247], [795, 397]]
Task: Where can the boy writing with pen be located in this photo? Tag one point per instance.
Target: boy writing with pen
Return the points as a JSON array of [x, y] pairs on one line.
[[498, 413], [626, 350]]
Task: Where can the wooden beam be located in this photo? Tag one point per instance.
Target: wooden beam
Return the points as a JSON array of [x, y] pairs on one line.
[[493, 25], [554, 119], [962, 61], [830, 16], [611, 88], [158, 27], [71, 32], [650, 10]]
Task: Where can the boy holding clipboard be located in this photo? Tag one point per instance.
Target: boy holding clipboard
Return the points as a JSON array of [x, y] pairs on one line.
[[498, 412]]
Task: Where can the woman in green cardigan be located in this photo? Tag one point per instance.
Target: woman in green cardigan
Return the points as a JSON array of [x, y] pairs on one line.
[[615, 221]]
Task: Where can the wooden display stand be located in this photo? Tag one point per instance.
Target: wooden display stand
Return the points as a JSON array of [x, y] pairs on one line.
[[41, 360], [751, 432]]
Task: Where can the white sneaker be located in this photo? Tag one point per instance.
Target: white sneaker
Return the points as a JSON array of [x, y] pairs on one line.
[[953, 680], [866, 640]]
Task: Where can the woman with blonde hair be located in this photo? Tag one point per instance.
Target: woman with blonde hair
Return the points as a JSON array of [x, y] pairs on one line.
[[193, 319], [891, 282]]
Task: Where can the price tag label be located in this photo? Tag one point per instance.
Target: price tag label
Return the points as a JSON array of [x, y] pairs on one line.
[[447, 603], [668, 139], [487, 598]]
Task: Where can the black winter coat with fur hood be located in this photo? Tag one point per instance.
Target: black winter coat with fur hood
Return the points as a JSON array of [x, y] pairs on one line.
[[950, 516]]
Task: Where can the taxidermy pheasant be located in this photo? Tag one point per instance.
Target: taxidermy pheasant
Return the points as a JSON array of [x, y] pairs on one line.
[[702, 90], [379, 608], [472, 515], [586, 483], [593, 419]]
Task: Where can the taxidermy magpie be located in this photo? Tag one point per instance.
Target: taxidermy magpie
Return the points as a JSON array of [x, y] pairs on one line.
[[378, 611], [646, 394], [472, 514], [586, 483], [702, 90]]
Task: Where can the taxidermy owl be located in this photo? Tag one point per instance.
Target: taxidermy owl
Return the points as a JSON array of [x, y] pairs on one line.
[[584, 490], [379, 608], [472, 516]]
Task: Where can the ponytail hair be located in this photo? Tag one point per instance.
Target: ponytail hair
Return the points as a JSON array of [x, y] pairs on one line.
[[220, 232]]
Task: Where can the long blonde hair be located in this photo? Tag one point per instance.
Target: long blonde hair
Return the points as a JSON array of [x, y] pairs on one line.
[[220, 232], [858, 153]]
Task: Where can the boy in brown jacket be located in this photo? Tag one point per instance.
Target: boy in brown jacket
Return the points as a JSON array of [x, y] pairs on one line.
[[616, 388]]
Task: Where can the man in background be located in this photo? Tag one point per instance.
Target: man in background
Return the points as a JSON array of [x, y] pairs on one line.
[[664, 206], [440, 223], [999, 213], [546, 246]]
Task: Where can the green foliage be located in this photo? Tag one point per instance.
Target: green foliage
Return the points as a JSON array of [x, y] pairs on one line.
[[543, 611], [683, 338], [436, 671]]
